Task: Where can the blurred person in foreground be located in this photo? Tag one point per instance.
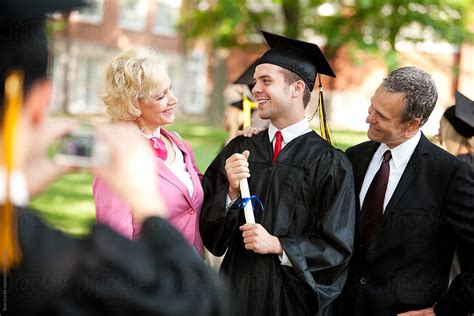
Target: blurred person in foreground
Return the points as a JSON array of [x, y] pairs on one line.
[[415, 210], [45, 272], [293, 260], [137, 89]]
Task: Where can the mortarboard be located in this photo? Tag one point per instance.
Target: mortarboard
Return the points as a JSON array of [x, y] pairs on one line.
[[238, 104], [461, 115], [23, 41], [247, 76], [303, 58]]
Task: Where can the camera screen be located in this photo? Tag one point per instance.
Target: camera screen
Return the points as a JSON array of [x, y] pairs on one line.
[[77, 145], [77, 148]]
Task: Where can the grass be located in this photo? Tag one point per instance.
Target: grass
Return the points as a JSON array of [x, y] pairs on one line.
[[68, 204]]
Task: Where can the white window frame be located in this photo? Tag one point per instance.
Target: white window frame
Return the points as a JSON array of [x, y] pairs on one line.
[[168, 29], [135, 20], [196, 72], [84, 16]]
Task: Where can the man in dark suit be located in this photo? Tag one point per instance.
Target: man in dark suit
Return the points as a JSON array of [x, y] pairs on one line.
[[415, 209]]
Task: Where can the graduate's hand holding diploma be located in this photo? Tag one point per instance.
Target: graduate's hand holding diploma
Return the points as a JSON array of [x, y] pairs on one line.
[[256, 237], [237, 168]]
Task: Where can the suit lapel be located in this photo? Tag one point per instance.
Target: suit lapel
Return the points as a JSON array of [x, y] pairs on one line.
[[360, 162], [408, 175]]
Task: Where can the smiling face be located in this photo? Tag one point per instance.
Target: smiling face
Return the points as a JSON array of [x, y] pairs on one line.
[[277, 100], [385, 119], [157, 110]]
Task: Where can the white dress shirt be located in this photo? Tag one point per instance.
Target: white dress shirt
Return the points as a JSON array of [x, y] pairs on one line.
[[400, 157], [288, 133]]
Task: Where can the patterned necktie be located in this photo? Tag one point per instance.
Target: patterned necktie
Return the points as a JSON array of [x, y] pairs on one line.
[[372, 208], [278, 141], [159, 147]]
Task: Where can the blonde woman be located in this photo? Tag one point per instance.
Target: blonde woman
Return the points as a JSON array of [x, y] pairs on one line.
[[137, 89]]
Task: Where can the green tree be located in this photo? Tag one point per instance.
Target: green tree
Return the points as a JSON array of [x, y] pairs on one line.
[[370, 25]]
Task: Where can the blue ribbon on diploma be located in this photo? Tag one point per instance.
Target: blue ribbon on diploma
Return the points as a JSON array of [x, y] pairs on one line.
[[253, 199]]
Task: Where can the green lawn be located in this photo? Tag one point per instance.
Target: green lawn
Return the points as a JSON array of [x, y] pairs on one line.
[[68, 204]]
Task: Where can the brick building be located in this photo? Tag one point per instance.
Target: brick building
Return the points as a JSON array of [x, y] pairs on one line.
[[94, 35]]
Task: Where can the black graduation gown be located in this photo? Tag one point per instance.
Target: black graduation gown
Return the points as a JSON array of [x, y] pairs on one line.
[[309, 204], [107, 274]]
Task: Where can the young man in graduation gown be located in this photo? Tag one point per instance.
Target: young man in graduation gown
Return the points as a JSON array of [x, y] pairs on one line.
[[422, 211], [48, 273], [293, 260]]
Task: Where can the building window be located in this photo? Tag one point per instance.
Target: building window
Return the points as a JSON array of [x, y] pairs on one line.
[[133, 14], [166, 17], [85, 88], [92, 13], [195, 94]]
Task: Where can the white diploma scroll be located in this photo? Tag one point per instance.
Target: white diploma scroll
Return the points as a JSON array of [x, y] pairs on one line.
[[248, 209]]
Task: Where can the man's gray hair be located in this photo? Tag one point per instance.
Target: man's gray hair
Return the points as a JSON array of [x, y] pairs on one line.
[[419, 90]]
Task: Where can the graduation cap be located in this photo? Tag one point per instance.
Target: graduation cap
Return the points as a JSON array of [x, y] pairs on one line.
[[303, 58], [238, 104], [23, 41], [461, 115], [23, 59], [247, 76]]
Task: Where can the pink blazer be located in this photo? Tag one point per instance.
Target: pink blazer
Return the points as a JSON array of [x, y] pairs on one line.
[[183, 209]]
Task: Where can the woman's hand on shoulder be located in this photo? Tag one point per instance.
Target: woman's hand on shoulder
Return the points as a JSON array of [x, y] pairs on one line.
[[249, 131]]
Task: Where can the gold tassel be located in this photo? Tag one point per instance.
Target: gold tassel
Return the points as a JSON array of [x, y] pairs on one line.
[[11, 252], [247, 107], [323, 124]]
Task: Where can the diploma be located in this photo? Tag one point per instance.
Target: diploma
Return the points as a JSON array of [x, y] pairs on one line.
[[245, 194]]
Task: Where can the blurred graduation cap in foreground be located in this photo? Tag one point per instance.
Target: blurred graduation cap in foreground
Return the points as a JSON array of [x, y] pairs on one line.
[[461, 115], [23, 40], [304, 59], [23, 60]]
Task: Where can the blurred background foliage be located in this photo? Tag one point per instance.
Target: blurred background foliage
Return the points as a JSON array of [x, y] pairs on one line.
[[369, 25]]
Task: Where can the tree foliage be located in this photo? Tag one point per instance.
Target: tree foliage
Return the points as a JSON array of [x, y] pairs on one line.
[[371, 25]]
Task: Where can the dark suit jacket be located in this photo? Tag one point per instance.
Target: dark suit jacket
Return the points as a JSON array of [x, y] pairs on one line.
[[406, 266]]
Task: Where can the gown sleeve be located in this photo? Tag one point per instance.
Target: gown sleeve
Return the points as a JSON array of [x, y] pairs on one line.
[[107, 274], [217, 223], [321, 256]]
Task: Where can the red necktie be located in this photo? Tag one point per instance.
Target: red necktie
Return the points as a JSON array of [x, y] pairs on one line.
[[277, 149], [159, 147], [372, 208]]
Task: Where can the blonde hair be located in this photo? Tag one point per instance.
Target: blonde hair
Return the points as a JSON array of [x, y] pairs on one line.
[[452, 140], [133, 75]]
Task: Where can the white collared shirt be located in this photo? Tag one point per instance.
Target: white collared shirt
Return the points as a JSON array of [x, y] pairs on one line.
[[289, 133], [178, 167], [400, 157]]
